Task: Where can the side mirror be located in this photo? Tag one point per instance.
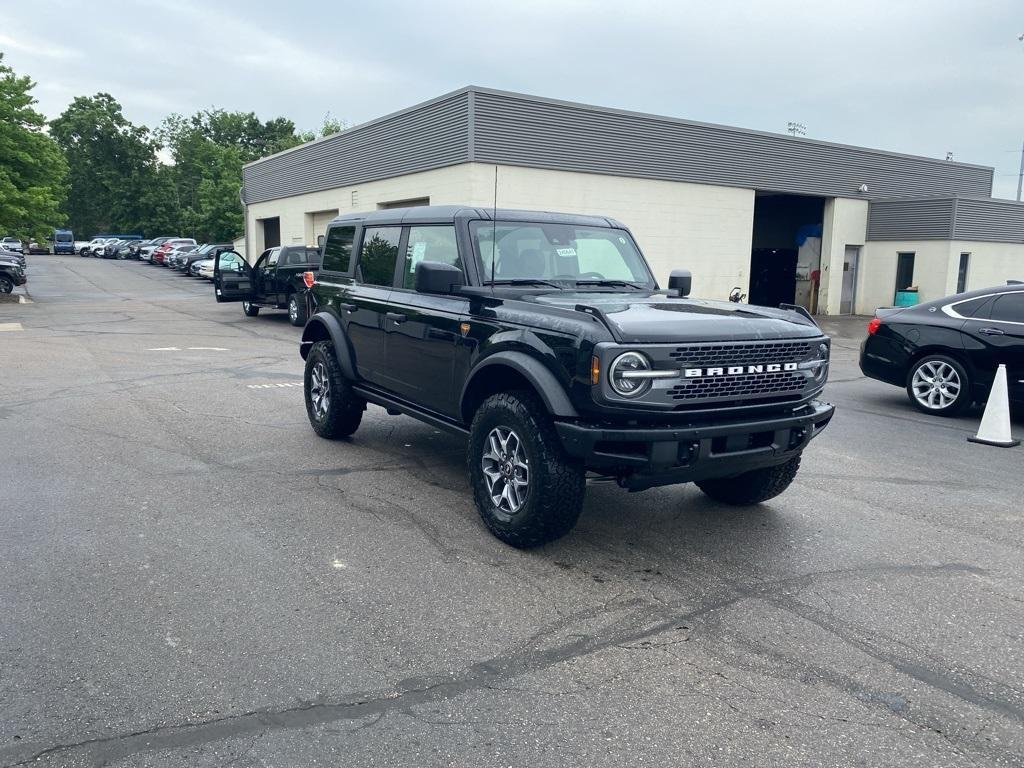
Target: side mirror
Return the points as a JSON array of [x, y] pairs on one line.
[[680, 281], [437, 277], [320, 241]]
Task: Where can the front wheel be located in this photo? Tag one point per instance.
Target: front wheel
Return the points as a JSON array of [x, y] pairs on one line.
[[939, 385], [334, 410], [249, 309], [296, 311], [527, 490], [6, 286], [751, 487]]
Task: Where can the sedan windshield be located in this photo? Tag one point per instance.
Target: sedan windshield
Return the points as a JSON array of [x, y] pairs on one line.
[[561, 255]]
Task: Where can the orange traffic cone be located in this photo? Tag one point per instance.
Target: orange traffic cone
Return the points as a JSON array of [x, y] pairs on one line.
[[995, 422]]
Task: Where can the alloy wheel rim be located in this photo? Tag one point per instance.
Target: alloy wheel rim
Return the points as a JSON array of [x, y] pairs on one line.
[[293, 310], [245, 305], [506, 469], [6, 286], [320, 391], [936, 384]]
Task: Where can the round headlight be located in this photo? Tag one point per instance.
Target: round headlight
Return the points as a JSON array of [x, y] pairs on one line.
[[822, 371], [622, 374]]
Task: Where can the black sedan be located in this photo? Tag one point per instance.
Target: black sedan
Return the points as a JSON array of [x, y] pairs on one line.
[[945, 353]]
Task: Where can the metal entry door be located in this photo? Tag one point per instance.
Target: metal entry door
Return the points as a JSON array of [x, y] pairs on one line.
[[850, 260]]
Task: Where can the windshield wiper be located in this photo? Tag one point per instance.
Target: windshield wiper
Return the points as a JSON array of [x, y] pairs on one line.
[[523, 281], [611, 283]]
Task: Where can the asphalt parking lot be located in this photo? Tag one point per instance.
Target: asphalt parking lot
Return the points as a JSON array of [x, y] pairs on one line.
[[190, 577]]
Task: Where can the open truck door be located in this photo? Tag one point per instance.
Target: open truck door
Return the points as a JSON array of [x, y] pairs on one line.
[[232, 277]]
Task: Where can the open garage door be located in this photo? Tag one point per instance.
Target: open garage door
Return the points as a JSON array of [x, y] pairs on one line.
[[785, 260]]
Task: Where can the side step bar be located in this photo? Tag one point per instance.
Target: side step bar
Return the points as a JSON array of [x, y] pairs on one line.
[[394, 404]]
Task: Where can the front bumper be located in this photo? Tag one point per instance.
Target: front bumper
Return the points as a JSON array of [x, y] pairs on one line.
[[645, 457]]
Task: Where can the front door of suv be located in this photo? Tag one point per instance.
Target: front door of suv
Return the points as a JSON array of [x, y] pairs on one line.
[[366, 302], [422, 333]]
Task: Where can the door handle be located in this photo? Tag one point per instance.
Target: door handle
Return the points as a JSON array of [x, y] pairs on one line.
[[347, 307], [992, 331], [395, 317]]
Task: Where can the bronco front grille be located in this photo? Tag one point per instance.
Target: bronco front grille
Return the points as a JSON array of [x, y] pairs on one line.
[[706, 355], [740, 387]]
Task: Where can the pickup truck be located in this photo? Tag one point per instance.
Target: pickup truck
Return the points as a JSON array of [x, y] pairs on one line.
[[275, 281]]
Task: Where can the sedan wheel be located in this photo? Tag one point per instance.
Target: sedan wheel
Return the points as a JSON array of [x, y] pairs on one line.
[[6, 286], [939, 385]]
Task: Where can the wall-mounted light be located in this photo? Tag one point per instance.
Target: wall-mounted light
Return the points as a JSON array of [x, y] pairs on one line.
[[863, 189]]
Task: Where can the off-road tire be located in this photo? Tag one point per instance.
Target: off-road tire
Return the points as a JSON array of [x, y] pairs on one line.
[[345, 408], [6, 285], [751, 487], [296, 313], [963, 399], [249, 309], [557, 484]]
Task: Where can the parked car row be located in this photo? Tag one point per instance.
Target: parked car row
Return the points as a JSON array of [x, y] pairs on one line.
[[12, 270]]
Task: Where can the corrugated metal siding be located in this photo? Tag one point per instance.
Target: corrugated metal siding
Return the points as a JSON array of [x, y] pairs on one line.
[[928, 219], [955, 218], [496, 127], [997, 221], [521, 130], [431, 136]]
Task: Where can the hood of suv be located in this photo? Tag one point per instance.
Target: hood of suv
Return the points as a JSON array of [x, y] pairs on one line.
[[646, 318]]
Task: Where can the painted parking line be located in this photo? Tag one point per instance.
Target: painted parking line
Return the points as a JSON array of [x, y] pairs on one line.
[[275, 386], [187, 349], [11, 327]]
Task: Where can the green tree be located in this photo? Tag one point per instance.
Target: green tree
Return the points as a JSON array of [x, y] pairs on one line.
[[32, 169], [112, 164], [209, 149]]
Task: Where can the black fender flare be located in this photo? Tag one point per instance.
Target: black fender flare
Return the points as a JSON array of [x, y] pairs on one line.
[[548, 387], [342, 346]]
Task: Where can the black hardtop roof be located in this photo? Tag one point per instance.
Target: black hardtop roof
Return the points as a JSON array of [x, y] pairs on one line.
[[448, 214]]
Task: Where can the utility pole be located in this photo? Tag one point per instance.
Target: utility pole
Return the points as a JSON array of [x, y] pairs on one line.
[[1020, 176]]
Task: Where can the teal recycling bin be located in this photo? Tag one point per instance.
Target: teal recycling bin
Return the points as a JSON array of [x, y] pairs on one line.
[[907, 298]]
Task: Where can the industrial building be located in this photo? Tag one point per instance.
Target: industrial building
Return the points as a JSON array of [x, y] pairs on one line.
[[839, 229]]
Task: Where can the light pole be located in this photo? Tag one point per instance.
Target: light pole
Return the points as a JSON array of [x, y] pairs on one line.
[[796, 129], [1020, 174]]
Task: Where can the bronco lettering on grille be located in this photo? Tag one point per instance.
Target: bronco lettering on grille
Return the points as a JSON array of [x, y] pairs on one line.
[[738, 370]]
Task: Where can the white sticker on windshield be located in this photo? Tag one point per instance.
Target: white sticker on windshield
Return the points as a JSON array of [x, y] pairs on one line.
[[566, 252]]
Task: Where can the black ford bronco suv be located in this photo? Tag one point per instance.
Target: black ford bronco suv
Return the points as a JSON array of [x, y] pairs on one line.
[[545, 339]]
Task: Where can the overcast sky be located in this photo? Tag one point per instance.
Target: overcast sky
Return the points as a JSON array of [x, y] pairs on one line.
[[918, 77]]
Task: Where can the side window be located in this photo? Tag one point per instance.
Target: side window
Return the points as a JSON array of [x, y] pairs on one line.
[[274, 255], [429, 244], [976, 308], [380, 252], [1009, 308], [338, 249]]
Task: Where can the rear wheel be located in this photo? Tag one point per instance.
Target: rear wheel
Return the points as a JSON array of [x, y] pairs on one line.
[[249, 309], [527, 490], [751, 487], [334, 410], [939, 385], [296, 311]]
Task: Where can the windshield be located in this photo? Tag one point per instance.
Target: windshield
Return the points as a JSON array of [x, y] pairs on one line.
[[566, 255], [63, 237]]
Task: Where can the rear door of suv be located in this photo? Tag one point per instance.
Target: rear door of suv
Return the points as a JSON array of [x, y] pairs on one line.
[[364, 305]]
